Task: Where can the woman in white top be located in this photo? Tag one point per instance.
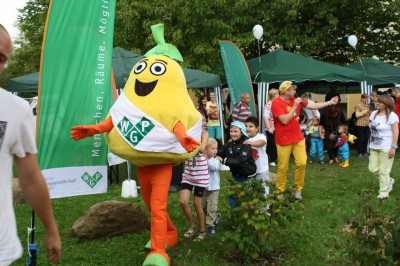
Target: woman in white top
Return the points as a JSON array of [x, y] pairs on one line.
[[268, 119], [383, 144]]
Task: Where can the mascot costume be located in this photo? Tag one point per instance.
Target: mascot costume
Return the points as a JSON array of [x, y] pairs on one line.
[[153, 124]]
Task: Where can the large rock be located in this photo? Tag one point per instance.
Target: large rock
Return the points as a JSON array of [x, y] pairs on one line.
[[110, 218], [18, 196]]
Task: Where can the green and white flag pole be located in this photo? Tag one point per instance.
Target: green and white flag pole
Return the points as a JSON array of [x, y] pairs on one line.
[[74, 89], [237, 74]]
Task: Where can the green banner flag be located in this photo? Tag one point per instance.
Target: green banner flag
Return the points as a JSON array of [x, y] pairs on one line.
[[237, 73], [74, 89]]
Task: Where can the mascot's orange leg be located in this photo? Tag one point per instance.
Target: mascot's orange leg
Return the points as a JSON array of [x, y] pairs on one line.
[[154, 184]]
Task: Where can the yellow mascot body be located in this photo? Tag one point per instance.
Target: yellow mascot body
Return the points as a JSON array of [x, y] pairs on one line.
[[157, 89]]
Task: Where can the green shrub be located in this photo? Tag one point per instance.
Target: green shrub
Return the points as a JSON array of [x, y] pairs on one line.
[[252, 222], [393, 245], [374, 237]]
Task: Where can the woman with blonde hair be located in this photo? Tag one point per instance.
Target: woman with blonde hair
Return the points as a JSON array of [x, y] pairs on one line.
[[383, 145], [269, 127]]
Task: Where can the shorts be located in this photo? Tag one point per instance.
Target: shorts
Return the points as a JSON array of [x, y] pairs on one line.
[[198, 191], [214, 132]]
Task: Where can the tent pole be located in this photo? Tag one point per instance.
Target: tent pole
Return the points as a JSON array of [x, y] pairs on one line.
[[260, 92], [217, 91], [263, 93]]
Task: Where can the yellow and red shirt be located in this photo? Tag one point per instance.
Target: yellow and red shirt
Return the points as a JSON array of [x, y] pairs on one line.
[[291, 132]]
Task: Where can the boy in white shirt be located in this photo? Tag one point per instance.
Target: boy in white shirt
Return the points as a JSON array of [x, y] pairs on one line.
[[210, 197], [258, 143]]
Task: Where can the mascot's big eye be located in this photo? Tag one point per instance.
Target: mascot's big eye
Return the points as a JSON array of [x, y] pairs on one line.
[[157, 69], [140, 67]]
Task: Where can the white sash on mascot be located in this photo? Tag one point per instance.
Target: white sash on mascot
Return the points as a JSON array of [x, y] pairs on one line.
[[142, 132]]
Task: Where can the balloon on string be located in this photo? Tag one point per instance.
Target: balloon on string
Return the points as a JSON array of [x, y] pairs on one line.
[[353, 40], [258, 31]]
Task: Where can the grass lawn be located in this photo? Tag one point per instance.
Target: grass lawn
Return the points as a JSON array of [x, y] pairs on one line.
[[314, 237]]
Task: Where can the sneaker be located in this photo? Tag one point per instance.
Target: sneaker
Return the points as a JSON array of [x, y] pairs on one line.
[[360, 155], [390, 185], [380, 196], [365, 155], [322, 162], [297, 195], [210, 230], [217, 219], [272, 164], [310, 161]]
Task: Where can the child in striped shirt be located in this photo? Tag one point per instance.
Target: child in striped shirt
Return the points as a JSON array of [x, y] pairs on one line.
[[195, 177]]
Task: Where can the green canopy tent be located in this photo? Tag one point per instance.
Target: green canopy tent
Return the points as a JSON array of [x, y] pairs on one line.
[[377, 72], [123, 61], [27, 83], [282, 65]]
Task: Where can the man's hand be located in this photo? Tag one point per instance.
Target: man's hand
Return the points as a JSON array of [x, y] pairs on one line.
[[53, 247], [297, 101]]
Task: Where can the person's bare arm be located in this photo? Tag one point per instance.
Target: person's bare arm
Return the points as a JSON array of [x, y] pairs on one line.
[[395, 129], [35, 191], [266, 123], [267, 114], [257, 143], [204, 139], [314, 106], [287, 117]]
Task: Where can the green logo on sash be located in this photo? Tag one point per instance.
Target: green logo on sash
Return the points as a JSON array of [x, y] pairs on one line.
[[91, 180], [135, 133]]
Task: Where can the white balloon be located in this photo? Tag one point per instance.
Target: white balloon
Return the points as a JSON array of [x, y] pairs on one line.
[[353, 40], [258, 31]]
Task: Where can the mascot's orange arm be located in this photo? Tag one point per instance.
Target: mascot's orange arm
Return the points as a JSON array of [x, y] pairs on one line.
[[80, 132], [186, 141]]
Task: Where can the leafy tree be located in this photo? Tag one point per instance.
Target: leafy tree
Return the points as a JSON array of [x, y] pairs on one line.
[[320, 28], [310, 27]]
